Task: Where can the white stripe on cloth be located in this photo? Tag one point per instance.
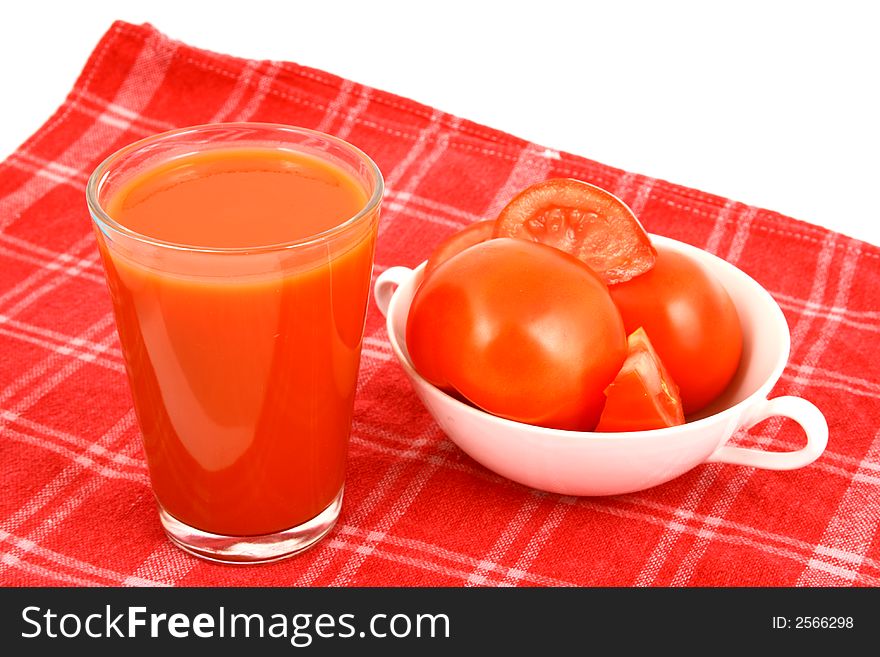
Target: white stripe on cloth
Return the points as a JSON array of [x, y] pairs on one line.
[[413, 451], [840, 554], [263, 86], [401, 169], [32, 287], [756, 538], [869, 326], [501, 575], [86, 444], [76, 490], [538, 540], [643, 193], [167, 564], [435, 552], [10, 561], [799, 556], [338, 543], [741, 234], [767, 542], [351, 116], [713, 242], [380, 529], [56, 171], [334, 106], [823, 378], [235, 96], [33, 336], [77, 457], [62, 341], [825, 310], [531, 166], [147, 124], [38, 373], [492, 559], [454, 214], [99, 575], [624, 190], [79, 269]]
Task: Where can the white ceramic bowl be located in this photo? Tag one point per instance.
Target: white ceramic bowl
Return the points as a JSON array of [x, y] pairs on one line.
[[592, 463]]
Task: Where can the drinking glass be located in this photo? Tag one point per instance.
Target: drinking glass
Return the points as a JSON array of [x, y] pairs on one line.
[[242, 358]]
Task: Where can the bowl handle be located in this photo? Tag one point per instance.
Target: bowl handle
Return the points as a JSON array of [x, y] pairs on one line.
[[796, 408], [387, 283]]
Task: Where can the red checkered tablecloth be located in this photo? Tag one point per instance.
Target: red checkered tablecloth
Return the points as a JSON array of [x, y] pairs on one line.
[[75, 501]]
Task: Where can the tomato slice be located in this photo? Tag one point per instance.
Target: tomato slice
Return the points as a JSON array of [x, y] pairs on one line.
[[642, 396], [583, 220], [477, 232]]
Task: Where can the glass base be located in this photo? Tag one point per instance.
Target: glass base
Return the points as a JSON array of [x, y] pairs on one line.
[[251, 549]]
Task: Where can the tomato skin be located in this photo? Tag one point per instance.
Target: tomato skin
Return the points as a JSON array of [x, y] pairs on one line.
[[691, 321], [477, 232], [642, 396], [584, 220], [521, 330]]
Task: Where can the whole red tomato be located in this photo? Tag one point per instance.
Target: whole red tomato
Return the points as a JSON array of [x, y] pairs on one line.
[[521, 330], [691, 321]]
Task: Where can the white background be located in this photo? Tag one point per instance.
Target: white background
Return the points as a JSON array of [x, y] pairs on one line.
[[775, 104]]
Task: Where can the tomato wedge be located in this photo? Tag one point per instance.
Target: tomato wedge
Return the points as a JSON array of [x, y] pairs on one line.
[[642, 396], [477, 232], [583, 220]]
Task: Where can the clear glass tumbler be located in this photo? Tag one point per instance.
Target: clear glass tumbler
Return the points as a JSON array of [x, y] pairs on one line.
[[241, 334]]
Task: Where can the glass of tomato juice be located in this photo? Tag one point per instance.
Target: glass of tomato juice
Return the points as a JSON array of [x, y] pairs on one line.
[[239, 258]]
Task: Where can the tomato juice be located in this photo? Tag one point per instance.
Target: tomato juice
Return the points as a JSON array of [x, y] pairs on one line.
[[240, 277]]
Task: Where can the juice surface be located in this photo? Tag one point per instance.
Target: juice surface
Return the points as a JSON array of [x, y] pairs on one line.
[[243, 386], [237, 198]]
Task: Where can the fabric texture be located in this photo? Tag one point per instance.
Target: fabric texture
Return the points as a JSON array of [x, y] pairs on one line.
[[75, 501]]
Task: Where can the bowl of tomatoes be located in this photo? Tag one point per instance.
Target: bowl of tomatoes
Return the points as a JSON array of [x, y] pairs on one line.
[[563, 347]]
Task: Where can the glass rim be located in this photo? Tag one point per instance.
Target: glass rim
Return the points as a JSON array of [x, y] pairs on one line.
[[104, 220]]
